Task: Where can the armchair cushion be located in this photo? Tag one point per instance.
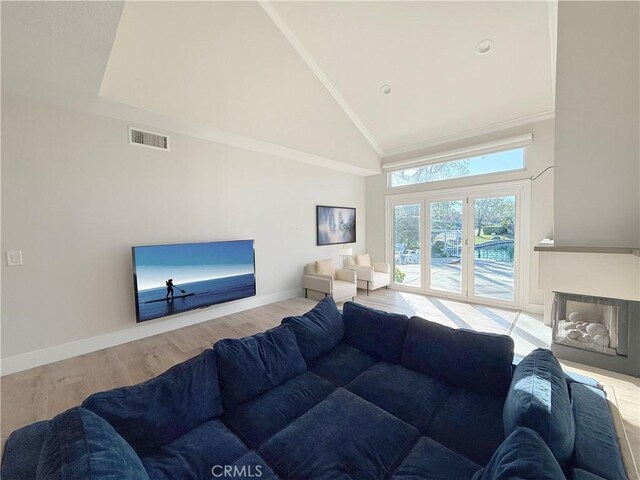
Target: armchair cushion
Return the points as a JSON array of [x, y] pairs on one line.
[[344, 290], [345, 275], [363, 260], [363, 273], [326, 267], [318, 330]]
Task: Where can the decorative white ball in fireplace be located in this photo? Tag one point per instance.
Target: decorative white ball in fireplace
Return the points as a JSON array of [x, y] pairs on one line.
[[576, 317]]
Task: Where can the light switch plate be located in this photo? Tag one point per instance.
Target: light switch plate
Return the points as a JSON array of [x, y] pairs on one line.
[[14, 258]]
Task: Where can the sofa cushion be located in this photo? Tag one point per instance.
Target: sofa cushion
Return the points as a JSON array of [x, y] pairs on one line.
[[343, 437], [261, 417], [194, 454], [22, 451], [158, 411], [318, 330], [470, 424], [596, 443], [538, 399], [579, 474], [477, 361], [248, 467], [428, 460], [523, 456], [81, 445], [377, 333], [252, 365], [341, 364], [409, 395], [573, 377]]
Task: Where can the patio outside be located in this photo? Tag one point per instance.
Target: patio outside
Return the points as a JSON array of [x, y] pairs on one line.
[[493, 278], [493, 239]]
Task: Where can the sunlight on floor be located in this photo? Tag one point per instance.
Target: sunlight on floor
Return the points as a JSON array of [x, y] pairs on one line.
[[527, 330]]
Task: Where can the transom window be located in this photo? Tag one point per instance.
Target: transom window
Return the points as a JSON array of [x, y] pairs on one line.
[[498, 162]]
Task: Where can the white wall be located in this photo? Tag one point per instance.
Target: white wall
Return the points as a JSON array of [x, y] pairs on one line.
[[76, 196], [538, 156], [597, 188]]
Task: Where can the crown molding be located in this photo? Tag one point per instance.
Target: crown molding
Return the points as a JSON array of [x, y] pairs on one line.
[[496, 127], [308, 59]]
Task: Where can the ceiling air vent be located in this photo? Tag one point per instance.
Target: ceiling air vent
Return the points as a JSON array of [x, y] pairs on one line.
[[148, 139]]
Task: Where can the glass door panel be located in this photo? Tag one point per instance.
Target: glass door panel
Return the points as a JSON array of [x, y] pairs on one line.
[[446, 236], [494, 246], [407, 245]]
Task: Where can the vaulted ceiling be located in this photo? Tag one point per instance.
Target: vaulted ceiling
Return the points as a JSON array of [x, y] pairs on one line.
[[296, 79]]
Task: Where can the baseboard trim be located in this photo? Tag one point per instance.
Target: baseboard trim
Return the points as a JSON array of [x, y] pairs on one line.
[[534, 308], [37, 358]]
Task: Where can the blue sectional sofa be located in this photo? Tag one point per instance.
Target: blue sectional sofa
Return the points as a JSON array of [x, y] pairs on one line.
[[358, 394]]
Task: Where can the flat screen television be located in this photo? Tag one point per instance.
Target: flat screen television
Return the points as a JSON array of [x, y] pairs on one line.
[[171, 279]]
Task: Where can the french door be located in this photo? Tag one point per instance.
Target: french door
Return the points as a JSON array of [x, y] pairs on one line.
[[462, 243]]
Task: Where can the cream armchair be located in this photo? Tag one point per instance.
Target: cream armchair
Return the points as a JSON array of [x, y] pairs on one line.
[[341, 286], [377, 275]]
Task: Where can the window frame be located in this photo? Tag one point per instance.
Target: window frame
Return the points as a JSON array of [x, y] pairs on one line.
[[476, 175]]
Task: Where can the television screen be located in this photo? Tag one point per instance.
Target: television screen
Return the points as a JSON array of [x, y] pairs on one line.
[[171, 279]]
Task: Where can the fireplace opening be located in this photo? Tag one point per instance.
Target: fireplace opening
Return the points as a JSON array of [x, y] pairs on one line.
[[587, 328]]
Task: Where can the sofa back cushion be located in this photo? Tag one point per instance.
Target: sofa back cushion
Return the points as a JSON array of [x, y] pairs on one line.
[[156, 412], [80, 444], [596, 445], [250, 366], [377, 333], [523, 455], [318, 330], [476, 361], [538, 399], [22, 451], [579, 474]]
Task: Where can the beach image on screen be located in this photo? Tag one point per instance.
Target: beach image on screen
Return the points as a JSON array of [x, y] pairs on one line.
[[175, 278]]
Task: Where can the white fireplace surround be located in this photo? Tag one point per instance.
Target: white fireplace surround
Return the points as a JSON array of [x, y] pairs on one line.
[[599, 272]]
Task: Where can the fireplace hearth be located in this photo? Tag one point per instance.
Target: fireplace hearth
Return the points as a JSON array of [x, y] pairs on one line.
[[598, 331]]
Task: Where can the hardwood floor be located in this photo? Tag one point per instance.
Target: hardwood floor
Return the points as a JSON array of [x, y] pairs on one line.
[[43, 392]]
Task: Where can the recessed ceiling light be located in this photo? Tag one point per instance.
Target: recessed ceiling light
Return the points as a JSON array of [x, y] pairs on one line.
[[484, 46], [386, 89]]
